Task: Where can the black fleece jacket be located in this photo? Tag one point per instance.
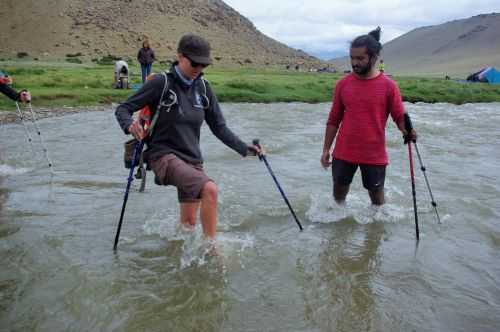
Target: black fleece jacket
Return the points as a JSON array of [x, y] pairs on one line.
[[178, 129], [9, 92]]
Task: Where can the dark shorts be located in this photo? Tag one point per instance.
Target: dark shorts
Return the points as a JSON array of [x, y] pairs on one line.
[[373, 176], [189, 179]]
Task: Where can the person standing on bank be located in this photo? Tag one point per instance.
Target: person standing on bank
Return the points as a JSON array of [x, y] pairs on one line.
[[173, 151], [361, 106], [381, 66], [146, 57]]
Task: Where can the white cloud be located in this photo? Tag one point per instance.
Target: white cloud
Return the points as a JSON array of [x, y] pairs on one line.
[[324, 27]]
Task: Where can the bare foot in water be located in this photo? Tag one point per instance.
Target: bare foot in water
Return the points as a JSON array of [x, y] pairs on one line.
[[185, 228], [210, 248]]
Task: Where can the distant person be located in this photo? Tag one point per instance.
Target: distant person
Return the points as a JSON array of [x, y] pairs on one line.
[[22, 96], [361, 106], [173, 152], [146, 57], [381, 66], [121, 75]]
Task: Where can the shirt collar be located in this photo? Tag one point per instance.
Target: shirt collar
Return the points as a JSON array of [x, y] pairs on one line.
[[184, 79]]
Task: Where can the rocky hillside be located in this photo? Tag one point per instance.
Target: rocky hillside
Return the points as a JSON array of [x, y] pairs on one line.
[[454, 48], [52, 29]]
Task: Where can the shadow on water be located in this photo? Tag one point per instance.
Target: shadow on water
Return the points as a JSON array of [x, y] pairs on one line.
[[156, 294], [6, 229], [338, 289], [92, 185], [8, 285]]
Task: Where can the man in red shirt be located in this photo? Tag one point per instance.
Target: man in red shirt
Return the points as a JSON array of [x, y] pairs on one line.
[[361, 106]]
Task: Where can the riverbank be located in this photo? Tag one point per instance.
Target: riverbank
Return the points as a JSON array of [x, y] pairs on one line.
[[63, 85], [44, 112]]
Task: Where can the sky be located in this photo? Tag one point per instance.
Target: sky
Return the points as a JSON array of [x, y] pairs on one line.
[[324, 28]]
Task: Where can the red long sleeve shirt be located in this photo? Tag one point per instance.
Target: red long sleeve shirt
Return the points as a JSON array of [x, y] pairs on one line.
[[361, 109]]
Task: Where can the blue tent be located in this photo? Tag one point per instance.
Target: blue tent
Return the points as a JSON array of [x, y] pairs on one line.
[[487, 75], [493, 76]]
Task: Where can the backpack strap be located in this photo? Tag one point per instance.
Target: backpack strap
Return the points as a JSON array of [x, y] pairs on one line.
[[155, 119], [206, 101], [169, 105]]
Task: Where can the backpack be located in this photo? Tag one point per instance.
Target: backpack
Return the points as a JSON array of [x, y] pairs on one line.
[[145, 113]]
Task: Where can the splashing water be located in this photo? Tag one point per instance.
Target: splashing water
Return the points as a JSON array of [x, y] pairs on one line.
[[7, 170]]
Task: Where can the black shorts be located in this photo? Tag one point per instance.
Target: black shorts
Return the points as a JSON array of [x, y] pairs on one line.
[[373, 175]]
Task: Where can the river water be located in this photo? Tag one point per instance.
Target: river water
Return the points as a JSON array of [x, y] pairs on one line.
[[352, 269]]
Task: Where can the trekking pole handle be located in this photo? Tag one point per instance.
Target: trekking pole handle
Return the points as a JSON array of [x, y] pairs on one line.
[[256, 143], [408, 127], [408, 124]]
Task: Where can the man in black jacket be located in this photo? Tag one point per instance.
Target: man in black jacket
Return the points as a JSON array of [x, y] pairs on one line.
[[173, 148], [23, 96]]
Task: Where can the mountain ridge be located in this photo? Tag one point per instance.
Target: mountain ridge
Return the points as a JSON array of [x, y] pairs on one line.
[[456, 47], [52, 29]]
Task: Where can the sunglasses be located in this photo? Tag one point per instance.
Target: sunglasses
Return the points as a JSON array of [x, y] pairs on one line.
[[195, 64]]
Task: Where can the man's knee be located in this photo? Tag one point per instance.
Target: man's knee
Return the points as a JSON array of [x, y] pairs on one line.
[[209, 191]]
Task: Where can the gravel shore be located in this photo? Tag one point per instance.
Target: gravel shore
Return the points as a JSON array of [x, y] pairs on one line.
[[12, 116]]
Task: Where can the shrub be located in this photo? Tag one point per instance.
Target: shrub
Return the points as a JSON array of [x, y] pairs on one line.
[[108, 60], [73, 60]]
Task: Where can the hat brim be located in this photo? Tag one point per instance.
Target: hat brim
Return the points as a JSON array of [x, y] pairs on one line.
[[204, 60]]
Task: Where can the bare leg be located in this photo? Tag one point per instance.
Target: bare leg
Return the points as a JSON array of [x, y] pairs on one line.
[[340, 193], [189, 211], [208, 211], [377, 197]]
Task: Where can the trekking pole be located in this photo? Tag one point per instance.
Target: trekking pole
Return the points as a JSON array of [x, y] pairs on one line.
[[28, 135], [138, 148], [263, 158], [409, 128], [44, 147], [141, 173], [422, 167], [413, 191]]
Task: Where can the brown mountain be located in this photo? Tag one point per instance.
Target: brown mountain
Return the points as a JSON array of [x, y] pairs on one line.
[[49, 29], [455, 48]]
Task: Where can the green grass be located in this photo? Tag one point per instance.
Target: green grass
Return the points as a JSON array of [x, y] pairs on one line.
[[432, 90], [71, 84]]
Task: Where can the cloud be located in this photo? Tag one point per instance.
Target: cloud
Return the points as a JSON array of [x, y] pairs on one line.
[[325, 27]]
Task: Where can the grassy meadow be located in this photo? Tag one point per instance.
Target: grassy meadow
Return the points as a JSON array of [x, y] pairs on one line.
[[66, 84]]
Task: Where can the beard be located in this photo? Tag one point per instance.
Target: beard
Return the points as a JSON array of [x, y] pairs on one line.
[[363, 70]]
